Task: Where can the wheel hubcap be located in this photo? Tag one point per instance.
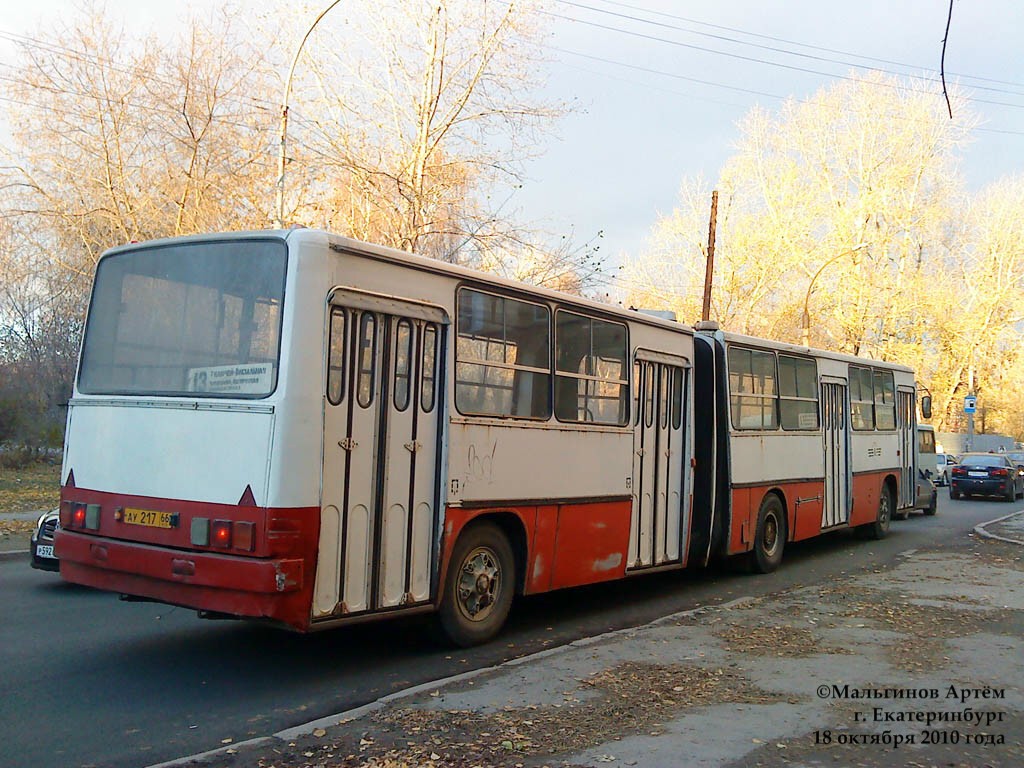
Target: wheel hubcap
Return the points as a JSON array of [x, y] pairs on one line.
[[771, 534], [479, 581]]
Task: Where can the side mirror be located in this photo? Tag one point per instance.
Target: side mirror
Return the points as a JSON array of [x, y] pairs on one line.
[[926, 406]]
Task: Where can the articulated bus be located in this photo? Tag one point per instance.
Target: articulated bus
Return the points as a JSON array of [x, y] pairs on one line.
[[297, 427]]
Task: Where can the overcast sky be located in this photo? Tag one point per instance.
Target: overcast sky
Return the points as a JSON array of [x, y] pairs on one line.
[[645, 122]]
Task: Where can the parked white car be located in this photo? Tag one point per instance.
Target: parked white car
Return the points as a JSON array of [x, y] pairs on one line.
[[943, 463], [42, 542]]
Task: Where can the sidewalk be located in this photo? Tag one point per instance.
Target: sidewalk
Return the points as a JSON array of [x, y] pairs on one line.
[[16, 532], [859, 672], [1007, 528]]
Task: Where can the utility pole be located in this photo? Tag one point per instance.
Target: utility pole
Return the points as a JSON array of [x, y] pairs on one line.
[[709, 270], [970, 403]]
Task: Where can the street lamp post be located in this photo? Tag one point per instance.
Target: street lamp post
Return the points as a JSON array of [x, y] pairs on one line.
[[282, 157], [805, 335]]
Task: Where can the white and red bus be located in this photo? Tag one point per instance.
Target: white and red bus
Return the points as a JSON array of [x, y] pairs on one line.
[[302, 428]]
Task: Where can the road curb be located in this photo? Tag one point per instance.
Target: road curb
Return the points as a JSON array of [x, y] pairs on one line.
[[981, 530], [14, 552], [361, 711], [230, 749]]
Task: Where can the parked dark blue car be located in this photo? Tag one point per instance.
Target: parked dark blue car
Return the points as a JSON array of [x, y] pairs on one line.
[[986, 474]]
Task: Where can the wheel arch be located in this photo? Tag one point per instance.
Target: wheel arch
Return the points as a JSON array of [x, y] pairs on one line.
[[891, 484], [780, 494], [509, 522]]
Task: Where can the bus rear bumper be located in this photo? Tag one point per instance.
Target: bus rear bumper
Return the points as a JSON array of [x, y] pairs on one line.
[[245, 587]]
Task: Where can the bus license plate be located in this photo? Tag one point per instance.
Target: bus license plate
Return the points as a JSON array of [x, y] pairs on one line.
[[149, 518]]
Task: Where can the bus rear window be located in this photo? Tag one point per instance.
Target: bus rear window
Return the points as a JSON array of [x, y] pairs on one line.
[[196, 319]]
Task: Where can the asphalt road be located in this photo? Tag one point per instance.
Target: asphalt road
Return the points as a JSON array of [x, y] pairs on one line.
[[92, 681]]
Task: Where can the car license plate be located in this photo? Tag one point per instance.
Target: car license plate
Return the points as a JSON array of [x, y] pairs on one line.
[[149, 518], [977, 474], [45, 550]]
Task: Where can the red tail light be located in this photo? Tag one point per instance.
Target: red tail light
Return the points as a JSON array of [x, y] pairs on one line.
[[220, 533], [958, 471], [78, 515], [1000, 472]]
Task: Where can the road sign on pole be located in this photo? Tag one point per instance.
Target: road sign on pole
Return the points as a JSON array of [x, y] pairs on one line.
[[970, 406]]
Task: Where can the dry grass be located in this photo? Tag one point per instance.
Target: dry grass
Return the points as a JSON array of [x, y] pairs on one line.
[[30, 488]]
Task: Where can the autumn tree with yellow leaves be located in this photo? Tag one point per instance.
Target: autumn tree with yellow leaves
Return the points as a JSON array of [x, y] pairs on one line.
[[849, 205]]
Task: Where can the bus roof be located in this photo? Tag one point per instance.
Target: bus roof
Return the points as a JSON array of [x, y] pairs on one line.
[[342, 244], [754, 341]]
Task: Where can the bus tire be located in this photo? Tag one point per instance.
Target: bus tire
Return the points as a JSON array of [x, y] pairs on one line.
[[770, 536], [879, 528], [479, 586]]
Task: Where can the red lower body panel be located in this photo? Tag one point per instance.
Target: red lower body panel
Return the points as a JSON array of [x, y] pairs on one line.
[[278, 589], [804, 506], [867, 489], [567, 545], [267, 574]]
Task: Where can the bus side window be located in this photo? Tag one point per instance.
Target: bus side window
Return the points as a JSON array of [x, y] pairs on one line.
[[336, 357], [367, 358], [591, 370], [862, 398], [798, 393], [649, 394], [429, 367], [925, 441], [637, 390], [403, 364], [502, 357], [885, 400], [677, 397], [752, 389]]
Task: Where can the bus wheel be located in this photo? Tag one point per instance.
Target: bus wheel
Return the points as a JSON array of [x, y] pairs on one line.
[[478, 586], [879, 528], [770, 538]]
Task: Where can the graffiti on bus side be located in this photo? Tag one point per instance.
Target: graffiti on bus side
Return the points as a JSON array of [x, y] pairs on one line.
[[481, 463]]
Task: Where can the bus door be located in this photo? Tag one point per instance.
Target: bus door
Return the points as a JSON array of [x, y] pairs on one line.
[[381, 455], [906, 424], [835, 425], [659, 512]]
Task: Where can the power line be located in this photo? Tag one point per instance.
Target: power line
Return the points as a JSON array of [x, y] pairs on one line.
[[791, 42], [741, 57], [673, 75], [676, 76]]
